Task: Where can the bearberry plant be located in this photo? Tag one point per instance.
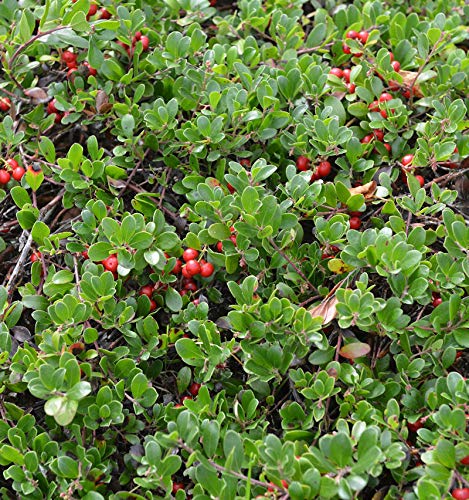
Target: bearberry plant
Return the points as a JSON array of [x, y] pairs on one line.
[[234, 249]]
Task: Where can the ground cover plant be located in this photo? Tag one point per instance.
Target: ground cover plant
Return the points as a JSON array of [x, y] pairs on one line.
[[234, 249]]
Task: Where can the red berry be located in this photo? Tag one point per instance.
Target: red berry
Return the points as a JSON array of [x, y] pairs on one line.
[[177, 267], [420, 179], [407, 160], [194, 388], [351, 88], [192, 267], [393, 85], [196, 302], [190, 254], [177, 486], [5, 103], [245, 162], [191, 287], [437, 301], [379, 134], [220, 246], [385, 96], [51, 107], [374, 106], [383, 113], [302, 163], [84, 254], [206, 270], [465, 460], [146, 290], [388, 147], [68, 57], [325, 256], [185, 272], [391, 56], [91, 71], [35, 256], [104, 14], [415, 426], [145, 42], [460, 493], [184, 398], [337, 72], [355, 222], [58, 117], [18, 173], [153, 305], [110, 263], [123, 45], [231, 189], [4, 177], [363, 36], [12, 163], [70, 72], [346, 74], [396, 66], [367, 139], [346, 49], [92, 10], [284, 483], [324, 169], [352, 34], [233, 239]]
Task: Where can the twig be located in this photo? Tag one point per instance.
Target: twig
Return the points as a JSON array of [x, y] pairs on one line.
[[27, 246], [220, 468], [447, 177], [295, 267]]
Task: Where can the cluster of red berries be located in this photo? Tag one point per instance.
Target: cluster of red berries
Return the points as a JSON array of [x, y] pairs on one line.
[[70, 59], [345, 74], [232, 238], [194, 389], [406, 163], [5, 103], [93, 10], [322, 170], [138, 37], [12, 169], [361, 37], [329, 252]]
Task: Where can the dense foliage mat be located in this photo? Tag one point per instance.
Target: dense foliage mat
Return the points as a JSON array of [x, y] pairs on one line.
[[234, 249]]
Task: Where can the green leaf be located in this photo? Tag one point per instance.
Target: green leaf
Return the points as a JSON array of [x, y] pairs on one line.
[[20, 196], [189, 352], [341, 449], [219, 231], [68, 467], [39, 232], [173, 299], [79, 390], [100, 251], [62, 409]]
